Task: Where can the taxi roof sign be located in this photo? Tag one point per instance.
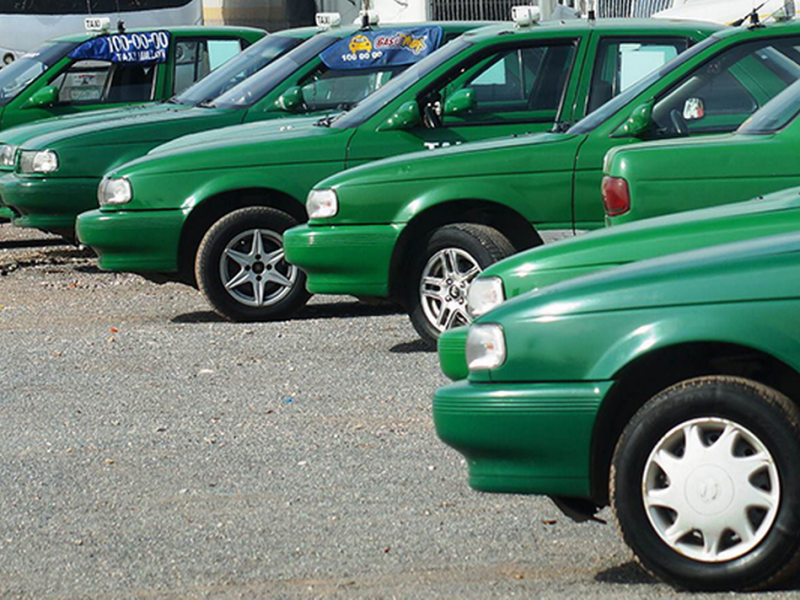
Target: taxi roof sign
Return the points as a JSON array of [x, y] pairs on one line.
[[525, 16], [97, 24], [786, 12], [328, 20]]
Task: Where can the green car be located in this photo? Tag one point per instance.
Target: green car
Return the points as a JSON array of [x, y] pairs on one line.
[[60, 78], [212, 208], [668, 389], [58, 168], [660, 178], [432, 221], [541, 267]]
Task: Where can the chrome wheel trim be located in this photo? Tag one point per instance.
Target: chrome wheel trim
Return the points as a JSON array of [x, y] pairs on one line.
[[443, 287], [253, 270], [711, 490]]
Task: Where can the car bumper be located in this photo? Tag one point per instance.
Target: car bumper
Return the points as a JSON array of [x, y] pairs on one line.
[[522, 438], [136, 241], [453, 353], [49, 203], [351, 260]]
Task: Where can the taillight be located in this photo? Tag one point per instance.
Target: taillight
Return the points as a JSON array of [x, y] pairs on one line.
[[616, 196]]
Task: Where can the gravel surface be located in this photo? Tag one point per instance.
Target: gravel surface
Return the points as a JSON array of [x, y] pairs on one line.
[[151, 450]]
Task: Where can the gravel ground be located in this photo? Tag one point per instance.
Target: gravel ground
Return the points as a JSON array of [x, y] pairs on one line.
[[151, 450]]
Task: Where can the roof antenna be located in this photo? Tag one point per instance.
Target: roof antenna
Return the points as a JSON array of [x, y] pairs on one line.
[[120, 26], [365, 15], [753, 16], [591, 14]]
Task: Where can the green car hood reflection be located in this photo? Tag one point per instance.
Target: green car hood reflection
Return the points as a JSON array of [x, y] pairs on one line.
[[247, 132]]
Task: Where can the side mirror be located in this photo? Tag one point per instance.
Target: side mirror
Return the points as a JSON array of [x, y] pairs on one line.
[[46, 96], [639, 122], [290, 99], [694, 109], [460, 102], [407, 116]]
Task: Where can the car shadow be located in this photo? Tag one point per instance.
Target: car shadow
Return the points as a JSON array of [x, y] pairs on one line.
[[414, 347], [38, 243], [628, 573], [333, 310]]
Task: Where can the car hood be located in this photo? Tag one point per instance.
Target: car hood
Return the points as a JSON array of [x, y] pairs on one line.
[[643, 239], [753, 270], [20, 134], [276, 145], [134, 128], [496, 157], [239, 133]]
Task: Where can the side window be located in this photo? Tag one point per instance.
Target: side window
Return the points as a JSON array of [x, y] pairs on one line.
[[722, 93], [101, 82], [516, 84], [194, 59], [330, 89], [621, 62], [84, 81]]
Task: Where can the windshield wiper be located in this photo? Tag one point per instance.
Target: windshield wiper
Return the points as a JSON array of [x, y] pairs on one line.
[[561, 127], [207, 103], [326, 121]]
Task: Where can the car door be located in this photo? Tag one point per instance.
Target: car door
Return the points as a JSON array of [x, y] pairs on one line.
[[715, 97], [506, 89]]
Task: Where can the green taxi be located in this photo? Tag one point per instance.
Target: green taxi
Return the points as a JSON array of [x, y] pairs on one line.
[[58, 168], [212, 208], [667, 388], [61, 78], [757, 159], [433, 221], [612, 247]]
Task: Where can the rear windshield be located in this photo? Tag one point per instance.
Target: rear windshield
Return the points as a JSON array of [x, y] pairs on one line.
[[776, 114], [21, 73], [238, 69]]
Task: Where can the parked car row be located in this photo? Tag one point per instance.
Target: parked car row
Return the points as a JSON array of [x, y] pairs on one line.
[[404, 162]]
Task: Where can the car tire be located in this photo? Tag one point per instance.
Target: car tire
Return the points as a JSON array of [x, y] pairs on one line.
[[682, 496], [455, 254], [268, 287]]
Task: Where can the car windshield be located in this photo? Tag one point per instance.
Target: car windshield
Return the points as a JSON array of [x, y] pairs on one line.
[[19, 74], [254, 89], [776, 114], [239, 68], [609, 109], [371, 105]]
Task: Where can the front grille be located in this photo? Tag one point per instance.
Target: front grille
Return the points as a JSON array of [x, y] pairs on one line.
[[471, 10], [631, 8]]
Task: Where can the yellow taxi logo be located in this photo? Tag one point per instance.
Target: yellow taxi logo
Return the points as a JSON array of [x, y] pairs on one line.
[[360, 43]]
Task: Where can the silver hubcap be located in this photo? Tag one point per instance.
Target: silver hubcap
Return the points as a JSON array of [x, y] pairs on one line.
[[443, 288], [253, 269], [711, 490]]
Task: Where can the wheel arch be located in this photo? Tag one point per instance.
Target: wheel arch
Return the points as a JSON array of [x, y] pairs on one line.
[[205, 213], [651, 373], [505, 219]]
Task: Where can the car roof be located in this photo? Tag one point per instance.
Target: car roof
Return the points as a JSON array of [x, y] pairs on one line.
[[179, 31]]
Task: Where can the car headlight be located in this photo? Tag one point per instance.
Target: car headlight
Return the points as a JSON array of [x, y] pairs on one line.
[[486, 347], [112, 192], [8, 155], [38, 161], [485, 293], [322, 204]]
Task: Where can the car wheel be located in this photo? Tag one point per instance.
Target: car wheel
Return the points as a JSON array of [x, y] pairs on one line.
[[454, 256], [241, 270], [705, 485]]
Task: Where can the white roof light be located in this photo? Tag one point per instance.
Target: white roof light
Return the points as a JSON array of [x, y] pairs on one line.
[[525, 16], [97, 24], [328, 20]]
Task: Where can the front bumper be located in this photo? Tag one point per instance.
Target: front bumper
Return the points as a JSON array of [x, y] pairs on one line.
[[49, 203], [136, 241], [522, 438], [344, 259]]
